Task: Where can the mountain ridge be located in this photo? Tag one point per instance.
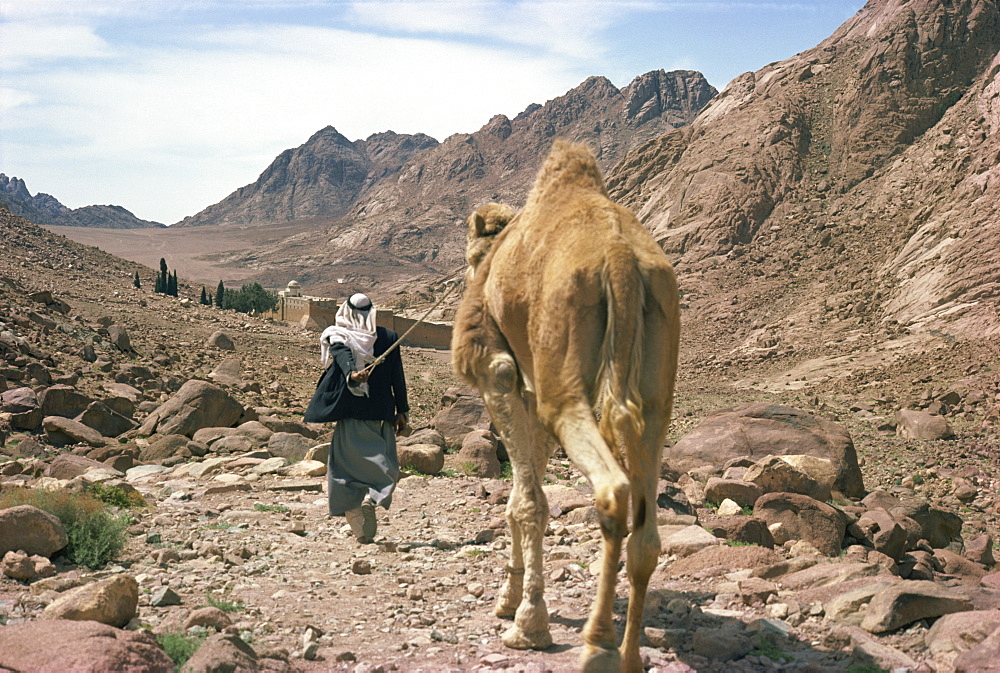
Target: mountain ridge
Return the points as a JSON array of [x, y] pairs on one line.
[[45, 209]]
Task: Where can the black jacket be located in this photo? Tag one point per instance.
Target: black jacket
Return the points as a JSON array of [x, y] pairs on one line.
[[333, 401]]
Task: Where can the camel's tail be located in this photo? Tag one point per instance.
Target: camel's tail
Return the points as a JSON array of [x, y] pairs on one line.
[[623, 349]]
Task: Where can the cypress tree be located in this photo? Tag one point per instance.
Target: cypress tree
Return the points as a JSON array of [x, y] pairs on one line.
[[172, 284], [135, 280], [220, 295], [158, 283], [204, 297]]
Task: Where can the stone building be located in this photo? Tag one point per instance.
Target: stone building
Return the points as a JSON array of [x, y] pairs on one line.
[[318, 313]]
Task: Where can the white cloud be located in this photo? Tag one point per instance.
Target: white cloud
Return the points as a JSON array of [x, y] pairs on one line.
[[25, 42]]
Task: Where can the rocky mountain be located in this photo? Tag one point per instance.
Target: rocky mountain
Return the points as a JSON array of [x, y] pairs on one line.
[[321, 178], [850, 187], [407, 219], [46, 209]]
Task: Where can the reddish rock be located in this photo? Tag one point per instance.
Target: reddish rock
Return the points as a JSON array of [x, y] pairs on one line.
[[31, 530], [803, 518], [83, 647]]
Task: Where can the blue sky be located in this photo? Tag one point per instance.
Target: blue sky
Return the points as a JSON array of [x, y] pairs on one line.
[[167, 106]]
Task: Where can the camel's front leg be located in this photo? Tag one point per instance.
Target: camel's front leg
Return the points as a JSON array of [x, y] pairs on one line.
[[527, 510]]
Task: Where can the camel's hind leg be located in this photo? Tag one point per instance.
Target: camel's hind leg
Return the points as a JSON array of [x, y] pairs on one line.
[[527, 510], [580, 437]]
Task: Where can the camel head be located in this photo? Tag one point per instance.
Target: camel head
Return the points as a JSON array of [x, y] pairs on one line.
[[484, 224]]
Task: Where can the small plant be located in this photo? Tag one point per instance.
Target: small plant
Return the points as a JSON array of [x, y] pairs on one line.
[[448, 472], [506, 471], [765, 648], [116, 496], [180, 646], [474, 553], [261, 507], [224, 603], [865, 668], [96, 532], [737, 543], [469, 468]]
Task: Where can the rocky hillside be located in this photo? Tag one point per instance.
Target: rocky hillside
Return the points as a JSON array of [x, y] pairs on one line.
[[852, 530], [320, 179], [405, 221], [852, 186], [46, 209]]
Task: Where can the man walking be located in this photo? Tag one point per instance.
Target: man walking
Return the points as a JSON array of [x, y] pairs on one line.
[[369, 406]]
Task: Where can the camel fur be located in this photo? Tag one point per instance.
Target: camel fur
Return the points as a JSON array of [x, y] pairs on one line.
[[569, 328]]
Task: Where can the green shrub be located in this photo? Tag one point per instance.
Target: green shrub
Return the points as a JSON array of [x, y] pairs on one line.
[[96, 532], [116, 496], [224, 603], [260, 507], [180, 646]]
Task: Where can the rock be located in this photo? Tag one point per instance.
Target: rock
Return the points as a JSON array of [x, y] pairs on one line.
[[880, 531], [775, 475], [208, 617], [31, 530], [18, 400], [563, 499], [221, 341], [729, 508], [163, 597], [721, 644], [17, 565], [68, 466], [424, 458], [166, 446], [762, 429], [915, 424], [198, 404], [980, 550], [955, 564], [83, 647], [756, 591], [741, 492], [743, 529], [938, 527], [851, 606], [686, 541], [107, 422], [803, 518], [462, 411], [228, 373], [276, 424], [65, 401], [112, 601], [424, 436], [959, 632], [827, 574], [63, 431], [320, 452], [256, 431], [235, 444], [478, 455], [306, 468], [982, 658], [289, 445], [222, 652], [909, 601], [119, 338]]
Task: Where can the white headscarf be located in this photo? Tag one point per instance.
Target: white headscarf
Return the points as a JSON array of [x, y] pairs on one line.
[[354, 327]]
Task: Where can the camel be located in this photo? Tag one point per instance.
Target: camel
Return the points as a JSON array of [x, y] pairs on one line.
[[569, 328]]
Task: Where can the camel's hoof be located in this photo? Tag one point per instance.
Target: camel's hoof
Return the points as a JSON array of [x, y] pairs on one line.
[[600, 660], [517, 639], [505, 610]]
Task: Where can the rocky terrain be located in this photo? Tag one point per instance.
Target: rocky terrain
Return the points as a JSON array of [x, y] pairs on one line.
[[869, 546], [46, 209]]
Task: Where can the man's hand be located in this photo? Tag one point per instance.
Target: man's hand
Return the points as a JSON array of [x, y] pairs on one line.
[[402, 424], [360, 377]]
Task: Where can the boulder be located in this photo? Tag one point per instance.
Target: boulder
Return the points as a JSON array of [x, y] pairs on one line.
[[462, 411], [762, 429], [63, 431], [478, 455], [907, 602], [166, 446], [69, 465], [18, 400], [228, 372], [959, 632], [744, 529], [916, 424], [424, 458], [305, 468], [83, 647], [775, 475], [980, 550], [119, 338], [743, 493], [320, 452], [879, 530], [209, 617], [239, 444], [956, 564], [18, 566], [112, 601], [222, 652], [290, 445], [275, 424], [256, 431], [803, 518], [686, 540], [939, 527], [424, 436], [220, 340], [109, 423], [198, 404], [982, 658], [60, 400]]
